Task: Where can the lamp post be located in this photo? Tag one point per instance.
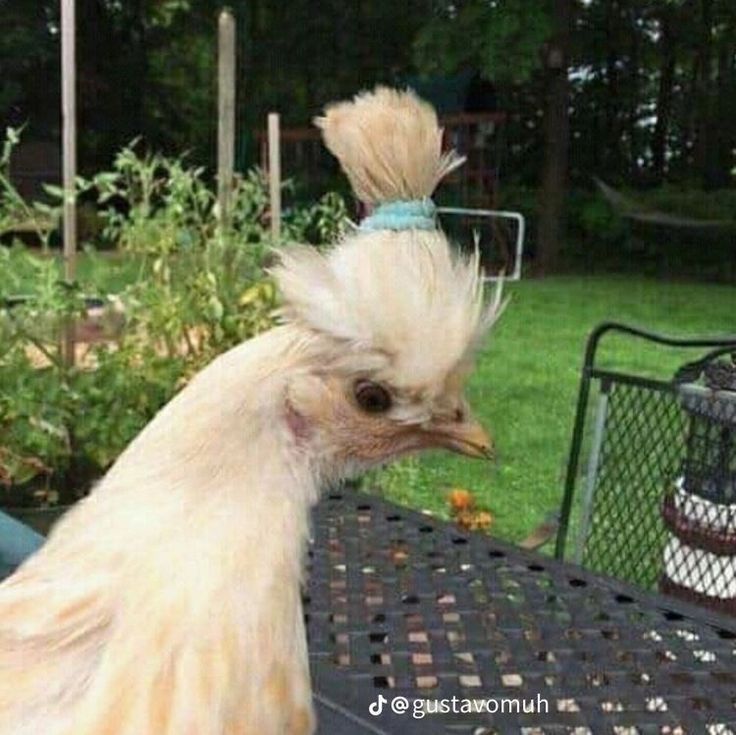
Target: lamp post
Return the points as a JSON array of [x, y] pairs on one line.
[[700, 513]]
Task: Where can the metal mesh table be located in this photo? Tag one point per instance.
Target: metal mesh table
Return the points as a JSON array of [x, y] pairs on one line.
[[401, 605]]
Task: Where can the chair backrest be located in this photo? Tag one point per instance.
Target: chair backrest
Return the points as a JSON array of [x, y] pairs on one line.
[[628, 490]]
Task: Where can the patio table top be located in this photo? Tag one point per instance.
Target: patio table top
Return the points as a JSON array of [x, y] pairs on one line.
[[415, 611]]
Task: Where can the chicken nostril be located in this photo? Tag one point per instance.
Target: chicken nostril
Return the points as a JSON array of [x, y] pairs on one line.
[[459, 414]]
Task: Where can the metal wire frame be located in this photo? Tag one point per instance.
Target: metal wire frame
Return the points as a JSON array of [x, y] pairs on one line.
[[517, 217], [609, 380], [403, 606]]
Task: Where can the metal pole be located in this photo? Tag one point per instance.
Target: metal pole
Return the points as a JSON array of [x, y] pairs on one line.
[[69, 153], [502, 214], [274, 174], [591, 479], [226, 113]]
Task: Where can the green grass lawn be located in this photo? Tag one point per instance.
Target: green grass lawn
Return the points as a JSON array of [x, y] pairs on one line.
[[525, 387]]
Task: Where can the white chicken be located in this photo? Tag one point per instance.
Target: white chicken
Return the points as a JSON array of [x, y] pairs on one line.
[[168, 601]]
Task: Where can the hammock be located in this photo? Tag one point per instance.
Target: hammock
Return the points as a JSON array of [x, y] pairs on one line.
[[629, 209]]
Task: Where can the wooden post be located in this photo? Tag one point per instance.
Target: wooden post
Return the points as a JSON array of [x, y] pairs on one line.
[[274, 174], [226, 113], [69, 154]]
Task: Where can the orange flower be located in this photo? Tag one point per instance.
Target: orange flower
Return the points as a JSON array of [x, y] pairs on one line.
[[475, 520], [460, 500], [464, 519], [483, 520]]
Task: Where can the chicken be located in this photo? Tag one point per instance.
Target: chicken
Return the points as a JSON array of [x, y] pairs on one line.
[[168, 601]]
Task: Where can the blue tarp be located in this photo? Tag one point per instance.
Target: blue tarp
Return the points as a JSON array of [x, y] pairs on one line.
[[17, 542]]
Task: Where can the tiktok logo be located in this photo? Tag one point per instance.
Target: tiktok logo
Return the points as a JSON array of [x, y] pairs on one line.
[[377, 707]]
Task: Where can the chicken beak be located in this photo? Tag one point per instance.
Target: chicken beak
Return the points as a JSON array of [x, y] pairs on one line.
[[466, 437]]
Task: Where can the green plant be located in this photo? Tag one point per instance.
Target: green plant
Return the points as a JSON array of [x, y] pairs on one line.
[[324, 222], [16, 214], [200, 288], [37, 394]]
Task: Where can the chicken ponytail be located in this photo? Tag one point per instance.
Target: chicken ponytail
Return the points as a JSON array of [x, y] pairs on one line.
[[389, 144], [391, 287]]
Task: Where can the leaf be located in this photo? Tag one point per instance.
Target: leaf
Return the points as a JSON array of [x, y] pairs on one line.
[[250, 295], [54, 191], [58, 432], [17, 470], [216, 307]]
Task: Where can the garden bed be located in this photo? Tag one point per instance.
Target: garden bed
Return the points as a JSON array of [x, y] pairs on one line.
[[193, 287]]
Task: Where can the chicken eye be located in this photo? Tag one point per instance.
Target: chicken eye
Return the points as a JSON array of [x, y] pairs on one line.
[[371, 397]]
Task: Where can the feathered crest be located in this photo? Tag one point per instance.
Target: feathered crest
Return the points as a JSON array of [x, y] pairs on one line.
[[389, 144], [403, 293]]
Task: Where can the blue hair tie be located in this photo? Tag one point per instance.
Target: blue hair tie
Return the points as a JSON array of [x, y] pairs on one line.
[[413, 214]]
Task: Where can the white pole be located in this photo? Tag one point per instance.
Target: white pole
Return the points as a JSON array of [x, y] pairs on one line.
[[69, 154], [274, 174], [226, 113]]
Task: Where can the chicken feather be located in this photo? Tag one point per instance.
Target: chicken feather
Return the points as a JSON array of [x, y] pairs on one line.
[[153, 594], [168, 601]]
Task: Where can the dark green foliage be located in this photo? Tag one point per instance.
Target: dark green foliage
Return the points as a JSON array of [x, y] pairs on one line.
[[501, 40], [148, 67], [652, 82], [601, 240]]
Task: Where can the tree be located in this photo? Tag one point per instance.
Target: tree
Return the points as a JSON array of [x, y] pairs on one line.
[[146, 68], [713, 82], [650, 84], [29, 51], [509, 42], [557, 140], [665, 91]]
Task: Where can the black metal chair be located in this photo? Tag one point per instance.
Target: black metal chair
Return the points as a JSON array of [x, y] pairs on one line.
[[652, 470]]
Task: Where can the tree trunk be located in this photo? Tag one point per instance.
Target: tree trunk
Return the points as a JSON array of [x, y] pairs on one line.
[[664, 97], [703, 96], [612, 154], [727, 99], [139, 45], [720, 152], [633, 94], [556, 141]]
